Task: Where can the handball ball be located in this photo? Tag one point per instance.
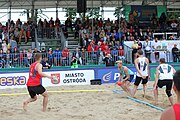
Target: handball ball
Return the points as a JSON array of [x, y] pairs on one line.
[[119, 83]]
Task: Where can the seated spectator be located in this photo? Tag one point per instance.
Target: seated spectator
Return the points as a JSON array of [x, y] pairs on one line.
[[57, 54], [68, 23], [108, 60], [77, 54], [175, 53], [22, 35], [46, 63], [29, 56], [36, 51], [65, 56]]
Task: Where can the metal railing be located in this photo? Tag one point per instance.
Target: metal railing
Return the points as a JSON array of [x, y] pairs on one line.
[[57, 58]]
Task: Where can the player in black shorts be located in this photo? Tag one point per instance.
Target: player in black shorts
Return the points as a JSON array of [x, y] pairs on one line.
[[164, 77]]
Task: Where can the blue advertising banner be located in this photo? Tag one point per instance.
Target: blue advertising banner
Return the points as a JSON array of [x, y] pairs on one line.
[[111, 75]]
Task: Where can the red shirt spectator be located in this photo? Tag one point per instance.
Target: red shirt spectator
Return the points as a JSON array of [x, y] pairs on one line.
[[107, 50], [121, 51], [91, 47], [65, 52]]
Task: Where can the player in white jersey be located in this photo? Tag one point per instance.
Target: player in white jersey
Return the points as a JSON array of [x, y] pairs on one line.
[[164, 77], [143, 74]]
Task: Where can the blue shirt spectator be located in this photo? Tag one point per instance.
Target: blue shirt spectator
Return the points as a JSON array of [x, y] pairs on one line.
[[57, 53]]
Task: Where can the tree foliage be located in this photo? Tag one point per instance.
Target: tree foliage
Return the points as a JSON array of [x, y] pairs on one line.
[[71, 12]]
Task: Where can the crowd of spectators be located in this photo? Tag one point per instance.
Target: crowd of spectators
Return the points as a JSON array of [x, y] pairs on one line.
[[99, 44]]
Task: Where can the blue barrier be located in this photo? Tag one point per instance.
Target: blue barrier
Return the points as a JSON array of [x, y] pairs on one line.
[[140, 101]]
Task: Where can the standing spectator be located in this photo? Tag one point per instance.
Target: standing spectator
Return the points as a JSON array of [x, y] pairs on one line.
[[74, 62], [24, 59], [16, 34], [147, 49], [114, 54], [22, 35], [121, 53], [4, 47], [77, 54], [57, 54], [134, 51], [100, 56], [139, 44], [65, 56], [175, 53], [50, 55], [43, 52], [13, 44], [29, 56], [84, 56], [36, 51], [8, 59]]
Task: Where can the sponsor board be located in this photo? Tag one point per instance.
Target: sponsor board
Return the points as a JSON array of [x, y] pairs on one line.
[[74, 77], [13, 80], [111, 75]]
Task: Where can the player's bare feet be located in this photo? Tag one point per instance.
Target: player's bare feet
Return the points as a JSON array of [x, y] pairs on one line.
[[44, 110], [25, 106]]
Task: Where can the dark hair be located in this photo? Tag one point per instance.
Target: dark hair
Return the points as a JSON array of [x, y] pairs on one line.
[[140, 52], [162, 60], [37, 56], [176, 79]]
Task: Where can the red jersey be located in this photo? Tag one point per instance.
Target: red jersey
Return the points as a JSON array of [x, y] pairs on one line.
[[34, 76], [176, 108]]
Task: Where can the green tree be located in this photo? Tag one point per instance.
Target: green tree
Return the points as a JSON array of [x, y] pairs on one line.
[[119, 13], [93, 12], [71, 12]]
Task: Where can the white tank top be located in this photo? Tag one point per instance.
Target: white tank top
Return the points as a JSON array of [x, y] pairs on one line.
[[165, 72], [142, 64]]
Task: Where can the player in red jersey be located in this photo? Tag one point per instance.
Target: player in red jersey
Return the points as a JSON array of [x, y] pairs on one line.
[[173, 113], [34, 83]]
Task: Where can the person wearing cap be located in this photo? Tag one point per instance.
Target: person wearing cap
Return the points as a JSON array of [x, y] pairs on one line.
[[126, 77]]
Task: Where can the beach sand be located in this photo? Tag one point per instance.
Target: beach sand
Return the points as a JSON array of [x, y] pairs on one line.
[[82, 106]]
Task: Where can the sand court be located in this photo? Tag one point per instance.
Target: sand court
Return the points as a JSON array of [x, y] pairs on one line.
[[100, 105]]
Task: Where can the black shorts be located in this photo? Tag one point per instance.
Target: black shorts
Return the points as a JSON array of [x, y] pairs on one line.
[[167, 83], [35, 90], [130, 79], [138, 80]]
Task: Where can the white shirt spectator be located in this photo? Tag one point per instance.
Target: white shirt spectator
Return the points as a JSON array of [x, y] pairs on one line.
[[4, 46]]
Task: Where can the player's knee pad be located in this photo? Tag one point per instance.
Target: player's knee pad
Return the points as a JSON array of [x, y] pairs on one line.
[[168, 92]]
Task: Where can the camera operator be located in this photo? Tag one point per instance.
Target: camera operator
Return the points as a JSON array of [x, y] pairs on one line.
[[46, 63], [74, 62]]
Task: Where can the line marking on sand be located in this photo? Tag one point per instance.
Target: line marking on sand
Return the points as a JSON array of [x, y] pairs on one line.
[[140, 101], [60, 91]]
